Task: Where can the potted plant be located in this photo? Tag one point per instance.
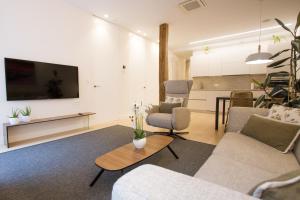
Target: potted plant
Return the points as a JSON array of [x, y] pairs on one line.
[[139, 139], [25, 114], [289, 94], [13, 119], [290, 60]]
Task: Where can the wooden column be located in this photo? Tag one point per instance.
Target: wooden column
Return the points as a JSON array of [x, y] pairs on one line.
[[163, 59]]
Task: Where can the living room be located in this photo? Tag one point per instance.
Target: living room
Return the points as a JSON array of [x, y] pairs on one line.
[[119, 99]]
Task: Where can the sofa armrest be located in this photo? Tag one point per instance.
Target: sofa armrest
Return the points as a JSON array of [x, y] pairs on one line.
[[181, 118], [238, 117], [155, 183]]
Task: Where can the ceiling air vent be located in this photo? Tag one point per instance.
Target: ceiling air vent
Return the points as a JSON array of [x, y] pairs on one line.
[[190, 5]]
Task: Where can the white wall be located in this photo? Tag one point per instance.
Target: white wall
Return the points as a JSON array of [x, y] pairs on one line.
[[177, 67], [56, 32]]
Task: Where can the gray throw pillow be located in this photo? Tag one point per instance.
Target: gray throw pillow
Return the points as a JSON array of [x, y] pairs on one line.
[[168, 107], [286, 186], [280, 135]]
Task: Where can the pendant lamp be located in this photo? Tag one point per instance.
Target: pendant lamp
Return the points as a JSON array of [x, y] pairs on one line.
[[259, 57]]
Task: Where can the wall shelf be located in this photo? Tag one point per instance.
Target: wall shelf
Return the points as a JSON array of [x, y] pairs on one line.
[[6, 126]]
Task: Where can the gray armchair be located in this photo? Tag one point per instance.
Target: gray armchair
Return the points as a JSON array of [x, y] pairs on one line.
[[180, 117]]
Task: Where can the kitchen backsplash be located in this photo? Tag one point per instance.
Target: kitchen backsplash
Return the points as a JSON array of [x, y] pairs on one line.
[[236, 82]]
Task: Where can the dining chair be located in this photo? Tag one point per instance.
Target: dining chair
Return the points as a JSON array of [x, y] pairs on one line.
[[239, 99]]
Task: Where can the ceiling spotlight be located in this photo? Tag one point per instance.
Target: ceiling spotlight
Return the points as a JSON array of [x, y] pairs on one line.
[[145, 34], [106, 16], [138, 31]]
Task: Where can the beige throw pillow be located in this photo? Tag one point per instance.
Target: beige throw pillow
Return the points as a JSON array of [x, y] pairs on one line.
[[277, 134]]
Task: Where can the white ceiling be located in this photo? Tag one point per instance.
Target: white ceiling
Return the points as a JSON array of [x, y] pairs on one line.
[[221, 17]]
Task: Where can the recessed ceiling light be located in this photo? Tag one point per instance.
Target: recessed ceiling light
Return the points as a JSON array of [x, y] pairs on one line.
[[139, 31], [145, 34], [106, 16]]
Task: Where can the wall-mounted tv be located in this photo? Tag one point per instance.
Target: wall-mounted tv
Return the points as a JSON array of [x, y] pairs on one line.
[[31, 80]]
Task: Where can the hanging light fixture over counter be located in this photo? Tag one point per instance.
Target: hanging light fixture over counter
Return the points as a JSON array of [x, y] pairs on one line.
[[259, 57]]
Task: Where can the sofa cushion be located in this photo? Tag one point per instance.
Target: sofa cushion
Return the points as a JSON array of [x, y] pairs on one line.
[[232, 174], [277, 134], [249, 151], [156, 183], [162, 120], [238, 117]]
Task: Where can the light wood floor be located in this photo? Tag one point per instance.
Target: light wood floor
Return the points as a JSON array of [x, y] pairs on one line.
[[201, 129]]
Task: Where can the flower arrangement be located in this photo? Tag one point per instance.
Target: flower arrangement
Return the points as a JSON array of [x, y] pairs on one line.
[[137, 120]]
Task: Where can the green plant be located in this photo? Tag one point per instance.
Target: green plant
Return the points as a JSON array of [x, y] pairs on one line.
[[206, 49], [26, 112], [138, 122], [14, 113], [276, 38], [274, 88], [292, 60]]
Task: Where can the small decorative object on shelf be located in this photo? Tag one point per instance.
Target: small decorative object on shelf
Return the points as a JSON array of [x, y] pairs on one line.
[[13, 119], [139, 139], [25, 114]]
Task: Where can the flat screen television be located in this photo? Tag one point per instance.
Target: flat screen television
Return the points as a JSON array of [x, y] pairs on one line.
[[31, 80]]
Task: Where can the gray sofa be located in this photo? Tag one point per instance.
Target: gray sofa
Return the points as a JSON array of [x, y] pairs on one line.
[[236, 165]]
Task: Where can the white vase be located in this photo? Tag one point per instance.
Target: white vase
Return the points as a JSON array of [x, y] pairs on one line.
[[25, 118], [13, 121], [139, 144]]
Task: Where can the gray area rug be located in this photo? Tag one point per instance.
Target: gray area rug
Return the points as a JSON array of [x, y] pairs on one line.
[[63, 169]]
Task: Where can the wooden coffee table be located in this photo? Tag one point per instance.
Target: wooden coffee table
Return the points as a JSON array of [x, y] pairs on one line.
[[127, 155]]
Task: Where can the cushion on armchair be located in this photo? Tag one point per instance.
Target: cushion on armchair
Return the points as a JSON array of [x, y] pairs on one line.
[[174, 100], [168, 107]]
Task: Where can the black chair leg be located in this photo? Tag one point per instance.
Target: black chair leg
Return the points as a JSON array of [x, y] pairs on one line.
[[176, 135], [171, 133]]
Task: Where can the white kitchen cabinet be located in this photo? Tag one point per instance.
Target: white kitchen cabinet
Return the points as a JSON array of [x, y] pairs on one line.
[[230, 60], [215, 67], [200, 65], [234, 68], [258, 69]]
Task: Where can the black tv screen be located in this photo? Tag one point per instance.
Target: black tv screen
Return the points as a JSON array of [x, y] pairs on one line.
[[30, 80]]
